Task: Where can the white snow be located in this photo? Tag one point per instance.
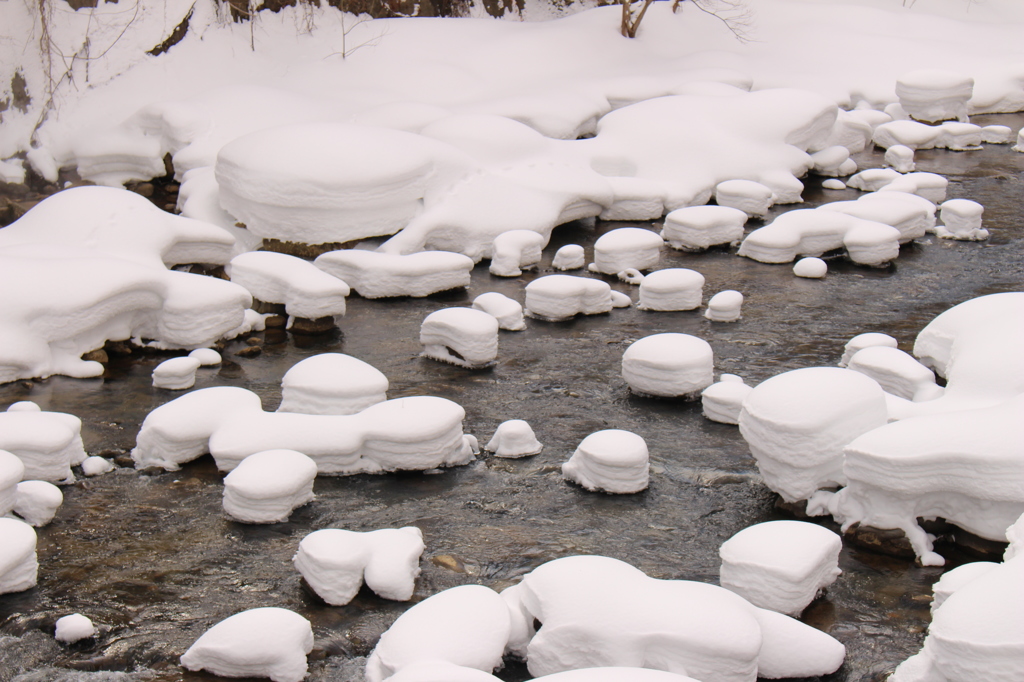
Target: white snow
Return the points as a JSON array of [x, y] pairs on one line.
[[723, 400], [514, 438], [935, 94], [507, 311], [815, 232], [305, 290], [381, 275], [262, 642], [176, 374], [73, 627], [897, 372], [267, 486], [725, 306], [597, 611], [331, 383], [900, 158], [37, 502], [47, 443], [865, 340], [671, 289], [611, 461], [466, 337], [668, 365], [335, 562], [695, 228], [624, 248], [18, 566], [569, 257], [515, 250], [833, 161], [11, 473], [810, 268], [207, 357], [780, 565], [748, 196], [909, 213], [961, 219], [466, 625], [96, 466], [560, 297]]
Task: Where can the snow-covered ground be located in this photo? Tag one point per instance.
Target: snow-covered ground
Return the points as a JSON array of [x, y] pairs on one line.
[[427, 145]]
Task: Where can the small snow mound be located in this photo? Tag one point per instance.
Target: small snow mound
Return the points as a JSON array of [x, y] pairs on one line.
[[569, 257], [624, 248], [725, 306], [961, 220], [466, 337], [514, 438], [263, 642], [865, 340], [18, 566], [722, 401], [331, 383], [934, 94], [266, 487], [671, 289], [207, 357], [668, 365], [900, 158], [96, 466], [514, 251], [749, 196], [176, 374], [696, 228], [611, 461], [560, 297], [73, 628], [507, 311], [37, 502], [305, 290], [833, 184], [811, 268], [381, 275]]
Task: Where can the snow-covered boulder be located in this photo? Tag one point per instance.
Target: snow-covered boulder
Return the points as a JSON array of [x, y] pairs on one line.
[[176, 374], [467, 626], [624, 248], [466, 337], [73, 628], [696, 228], [935, 94], [18, 565], [382, 275], [11, 472], [909, 213], [305, 290], [207, 357], [263, 642], [331, 383], [668, 365], [514, 251], [569, 257], [865, 340], [37, 502], [900, 158], [507, 311], [897, 372], [723, 400], [780, 565], [798, 422], [725, 306], [930, 186], [559, 297], [336, 562], [47, 443], [748, 196], [97, 466], [671, 289], [810, 268], [833, 161], [961, 219], [814, 232], [611, 461], [597, 611], [267, 486], [514, 438]]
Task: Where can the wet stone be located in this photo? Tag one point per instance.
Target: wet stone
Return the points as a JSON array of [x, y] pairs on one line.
[[249, 352], [98, 355], [307, 251], [321, 325], [264, 307]]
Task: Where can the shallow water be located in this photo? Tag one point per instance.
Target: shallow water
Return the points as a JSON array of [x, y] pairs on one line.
[[151, 558]]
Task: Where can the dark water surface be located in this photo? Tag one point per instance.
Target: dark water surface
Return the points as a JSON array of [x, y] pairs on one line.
[[152, 560]]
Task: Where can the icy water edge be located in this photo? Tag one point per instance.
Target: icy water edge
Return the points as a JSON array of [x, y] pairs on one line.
[[152, 560]]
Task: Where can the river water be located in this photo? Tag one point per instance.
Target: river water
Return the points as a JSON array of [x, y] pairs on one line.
[[150, 557]]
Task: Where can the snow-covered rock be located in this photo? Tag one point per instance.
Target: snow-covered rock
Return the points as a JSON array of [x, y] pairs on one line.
[[514, 438], [336, 562], [73, 628], [466, 337], [559, 297], [814, 232], [507, 311], [900, 158], [695, 228], [18, 565], [668, 365], [810, 268], [263, 642], [624, 248], [723, 400], [833, 161], [37, 502], [611, 461], [331, 383], [467, 625], [725, 306], [930, 186], [207, 357], [597, 611], [515, 250], [176, 374], [953, 579], [897, 372], [671, 289], [47, 443], [96, 466], [753, 198], [305, 290], [11, 472], [267, 486], [961, 219], [996, 134], [381, 275], [798, 422], [909, 213], [865, 340], [569, 257], [780, 565], [935, 94]]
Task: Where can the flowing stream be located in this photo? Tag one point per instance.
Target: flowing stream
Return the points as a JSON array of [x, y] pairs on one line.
[[151, 558]]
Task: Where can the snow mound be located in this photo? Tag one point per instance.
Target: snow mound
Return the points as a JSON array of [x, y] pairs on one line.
[[11, 472], [335, 562], [611, 461], [18, 566], [267, 486], [810, 268], [753, 198], [909, 213], [514, 438], [514, 251], [331, 383], [37, 502], [866, 340], [176, 374], [780, 565], [696, 228], [74, 627], [560, 297], [47, 443], [900, 158], [671, 289], [381, 275], [507, 311], [961, 219], [305, 290], [624, 248], [569, 257], [264, 642], [935, 94], [668, 365], [723, 400], [466, 337], [897, 372], [725, 306], [815, 232]]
